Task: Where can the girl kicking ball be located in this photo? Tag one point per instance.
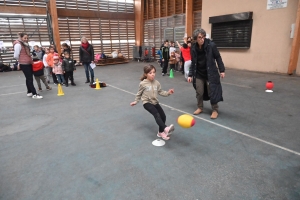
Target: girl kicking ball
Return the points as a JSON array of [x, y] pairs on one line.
[[149, 89]]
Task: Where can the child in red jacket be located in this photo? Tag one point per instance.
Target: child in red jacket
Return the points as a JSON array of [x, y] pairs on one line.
[[38, 72]]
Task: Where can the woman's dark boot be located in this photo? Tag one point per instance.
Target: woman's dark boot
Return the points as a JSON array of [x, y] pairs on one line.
[[92, 81], [87, 80]]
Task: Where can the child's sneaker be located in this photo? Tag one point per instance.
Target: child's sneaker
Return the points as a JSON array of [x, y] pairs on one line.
[[163, 135], [169, 129], [29, 94], [37, 96], [49, 88]]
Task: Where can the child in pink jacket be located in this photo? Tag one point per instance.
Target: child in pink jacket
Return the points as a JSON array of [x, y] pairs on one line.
[[58, 71]]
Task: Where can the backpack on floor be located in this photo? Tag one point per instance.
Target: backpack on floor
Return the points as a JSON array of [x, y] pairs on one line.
[[102, 84]]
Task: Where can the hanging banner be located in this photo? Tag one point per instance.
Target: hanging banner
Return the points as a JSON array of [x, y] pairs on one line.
[[275, 4]]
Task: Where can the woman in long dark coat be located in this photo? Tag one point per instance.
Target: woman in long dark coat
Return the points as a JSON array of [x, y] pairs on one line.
[[205, 73]]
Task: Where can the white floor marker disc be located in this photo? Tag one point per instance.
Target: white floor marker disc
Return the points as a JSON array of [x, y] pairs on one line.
[[269, 90], [158, 142]]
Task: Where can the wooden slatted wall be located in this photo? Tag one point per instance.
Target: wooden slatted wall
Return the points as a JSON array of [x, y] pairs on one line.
[[34, 3], [197, 20], [197, 5], [35, 27], [164, 8], [171, 8], [97, 5], [104, 35]]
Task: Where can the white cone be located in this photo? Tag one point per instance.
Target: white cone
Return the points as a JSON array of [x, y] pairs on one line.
[[158, 142]]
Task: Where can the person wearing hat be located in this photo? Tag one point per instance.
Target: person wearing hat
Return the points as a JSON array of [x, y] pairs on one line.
[[38, 72], [58, 70]]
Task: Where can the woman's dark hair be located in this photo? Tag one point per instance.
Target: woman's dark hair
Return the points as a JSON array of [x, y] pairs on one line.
[[147, 69], [21, 34]]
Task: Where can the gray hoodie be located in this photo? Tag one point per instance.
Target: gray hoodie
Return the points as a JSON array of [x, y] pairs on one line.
[[148, 91]]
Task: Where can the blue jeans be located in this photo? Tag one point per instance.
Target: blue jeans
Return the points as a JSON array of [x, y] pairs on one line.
[[88, 68], [60, 78]]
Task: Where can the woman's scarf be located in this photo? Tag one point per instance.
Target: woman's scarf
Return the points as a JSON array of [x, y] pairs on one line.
[[85, 45], [26, 47]]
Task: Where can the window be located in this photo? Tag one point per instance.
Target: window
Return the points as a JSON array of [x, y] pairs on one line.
[[232, 31]]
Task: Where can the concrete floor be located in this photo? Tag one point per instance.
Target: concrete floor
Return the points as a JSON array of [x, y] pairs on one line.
[[90, 144]]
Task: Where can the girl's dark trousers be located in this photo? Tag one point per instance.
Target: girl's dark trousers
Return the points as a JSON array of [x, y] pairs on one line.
[[158, 114]]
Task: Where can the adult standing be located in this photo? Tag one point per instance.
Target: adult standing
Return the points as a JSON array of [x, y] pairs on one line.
[[86, 56], [22, 55], [185, 50], [204, 72]]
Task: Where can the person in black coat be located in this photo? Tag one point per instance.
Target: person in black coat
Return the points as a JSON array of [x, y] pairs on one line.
[[204, 72], [86, 56]]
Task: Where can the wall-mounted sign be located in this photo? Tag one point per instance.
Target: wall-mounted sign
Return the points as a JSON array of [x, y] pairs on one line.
[[275, 4]]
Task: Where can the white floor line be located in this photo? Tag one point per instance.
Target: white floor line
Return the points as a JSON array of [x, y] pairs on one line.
[[13, 93], [222, 126], [25, 84], [11, 86], [243, 86]]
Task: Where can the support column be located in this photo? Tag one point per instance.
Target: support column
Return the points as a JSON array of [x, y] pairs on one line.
[[295, 45], [189, 17], [139, 22], [55, 27]]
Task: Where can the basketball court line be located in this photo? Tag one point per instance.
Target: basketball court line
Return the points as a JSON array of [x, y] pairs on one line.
[[220, 125]]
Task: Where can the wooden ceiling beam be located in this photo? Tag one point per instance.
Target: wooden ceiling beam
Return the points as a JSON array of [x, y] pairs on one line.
[[22, 10], [189, 17], [139, 22], [295, 45], [61, 12], [55, 27]]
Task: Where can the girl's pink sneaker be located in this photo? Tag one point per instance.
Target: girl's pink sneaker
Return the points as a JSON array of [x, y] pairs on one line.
[[163, 135], [169, 129]]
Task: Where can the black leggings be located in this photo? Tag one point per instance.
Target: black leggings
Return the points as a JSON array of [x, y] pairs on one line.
[[27, 70], [158, 114]]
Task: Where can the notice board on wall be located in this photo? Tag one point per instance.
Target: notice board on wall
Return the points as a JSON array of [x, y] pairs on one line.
[[275, 4]]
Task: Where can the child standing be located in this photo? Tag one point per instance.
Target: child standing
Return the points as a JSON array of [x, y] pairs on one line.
[[68, 67], [38, 72], [47, 69], [166, 56], [172, 61], [49, 60], [58, 71], [149, 89]]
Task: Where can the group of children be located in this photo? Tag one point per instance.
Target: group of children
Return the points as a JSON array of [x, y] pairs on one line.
[[60, 68], [169, 56]]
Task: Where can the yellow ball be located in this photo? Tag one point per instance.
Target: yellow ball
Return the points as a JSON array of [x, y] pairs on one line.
[[186, 121]]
